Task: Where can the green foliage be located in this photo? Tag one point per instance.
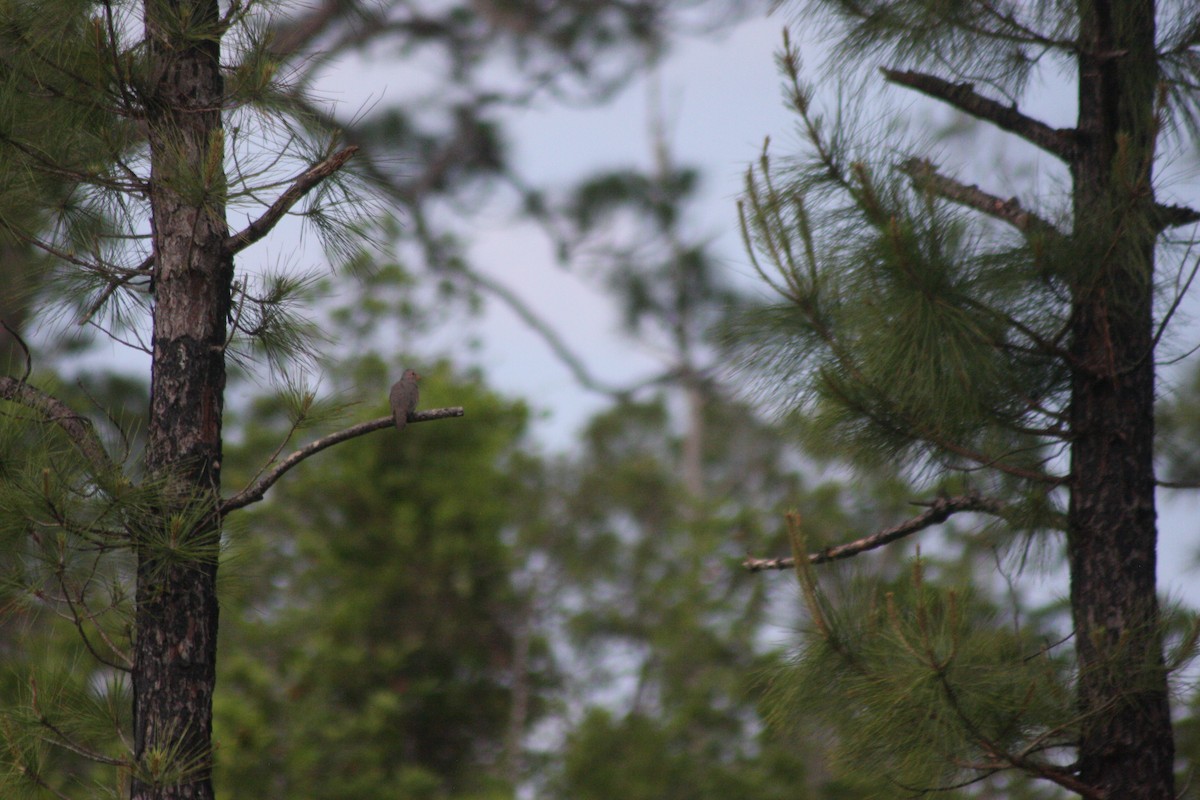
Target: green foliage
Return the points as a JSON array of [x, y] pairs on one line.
[[925, 685], [1003, 40], [932, 330], [54, 129], [922, 338], [66, 614], [369, 651], [59, 713], [659, 616], [1178, 429], [643, 757]]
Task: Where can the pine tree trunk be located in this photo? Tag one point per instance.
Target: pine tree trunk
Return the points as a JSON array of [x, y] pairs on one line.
[[176, 622], [1126, 746]]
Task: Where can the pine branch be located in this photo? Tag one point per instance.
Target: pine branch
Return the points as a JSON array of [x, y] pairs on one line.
[[257, 490], [66, 742], [995, 750], [1168, 216], [239, 241], [36, 777], [939, 511], [1021, 32], [300, 187], [1059, 142], [78, 428], [62, 739], [925, 176], [291, 36]]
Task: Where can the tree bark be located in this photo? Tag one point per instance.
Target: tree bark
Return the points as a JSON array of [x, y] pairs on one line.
[[176, 620], [1126, 747]]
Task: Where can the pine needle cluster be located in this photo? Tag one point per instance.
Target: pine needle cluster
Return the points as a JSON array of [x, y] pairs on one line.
[[905, 332]]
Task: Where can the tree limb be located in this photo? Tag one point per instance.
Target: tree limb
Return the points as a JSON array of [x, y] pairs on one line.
[[1178, 484], [548, 335], [257, 490], [304, 184], [939, 511], [926, 176], [253, 232], [77, 427], [1168, 216], [1060, 142]]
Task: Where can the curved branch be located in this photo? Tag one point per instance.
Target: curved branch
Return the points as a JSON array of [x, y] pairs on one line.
[[301, 186], [77, 427], [411, 193], [257, 490], [939, 511], [548, 335]]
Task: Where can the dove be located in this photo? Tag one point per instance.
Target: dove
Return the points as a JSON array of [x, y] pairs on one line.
[[403, 397]]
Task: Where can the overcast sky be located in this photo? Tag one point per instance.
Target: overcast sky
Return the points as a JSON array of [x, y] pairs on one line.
[[721, 96]]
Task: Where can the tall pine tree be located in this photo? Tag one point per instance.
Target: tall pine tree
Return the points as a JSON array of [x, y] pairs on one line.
[[1006, 347]]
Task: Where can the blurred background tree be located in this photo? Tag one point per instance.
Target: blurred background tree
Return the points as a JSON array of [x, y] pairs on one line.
[[480, 613]]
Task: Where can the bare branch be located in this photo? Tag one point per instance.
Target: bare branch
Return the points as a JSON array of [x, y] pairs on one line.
[[1168, 216], [1060, 142], [257, 490], [411, 194], [77, 427], [926, 176], [939, 511], [1178, 484], [300, 187], [549, 336]]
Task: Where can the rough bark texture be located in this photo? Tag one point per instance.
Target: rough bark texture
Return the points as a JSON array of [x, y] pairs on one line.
[[176, 623], [1126, 747]]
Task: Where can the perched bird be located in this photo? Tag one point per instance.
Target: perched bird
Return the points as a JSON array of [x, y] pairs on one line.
[[403, 397]]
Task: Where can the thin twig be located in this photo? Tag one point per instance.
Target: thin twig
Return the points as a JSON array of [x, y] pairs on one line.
[[76, 619], [113, 285], [24, 348]]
